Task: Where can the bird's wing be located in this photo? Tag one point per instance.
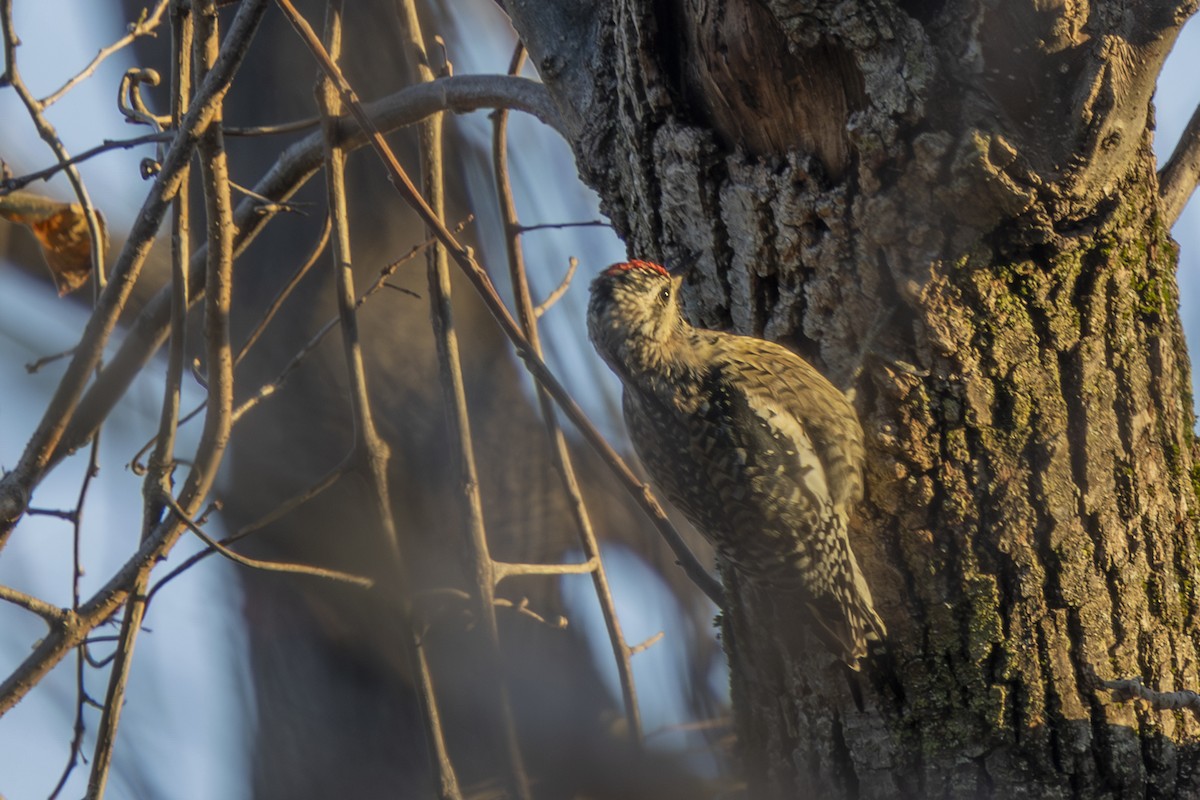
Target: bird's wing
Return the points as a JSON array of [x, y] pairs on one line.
[[780, 507], [776, 379], [765, 473]]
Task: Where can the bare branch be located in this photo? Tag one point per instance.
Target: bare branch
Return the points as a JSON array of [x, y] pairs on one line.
[[1178, 178], [49, 135], [280, 511], [214, 170], [483, 285], [503, 569], [158, 478], [458, 94], [36, 458], [559, 291], [477, 558], [50, 613], [290, 172], [269, 566], [370, 448], [1124, 690], [114, 698], [145, 26], [560, 452]]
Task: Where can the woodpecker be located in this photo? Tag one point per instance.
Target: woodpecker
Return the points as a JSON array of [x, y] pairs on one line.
[[761, 453]]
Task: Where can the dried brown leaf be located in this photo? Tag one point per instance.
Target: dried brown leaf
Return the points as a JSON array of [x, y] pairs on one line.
[[61, 229]]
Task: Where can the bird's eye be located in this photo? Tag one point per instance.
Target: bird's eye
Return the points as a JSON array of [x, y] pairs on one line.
[[665, 294]]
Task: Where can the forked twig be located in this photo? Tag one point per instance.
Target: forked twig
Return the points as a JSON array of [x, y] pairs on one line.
[[218, 422], [561, 454], [477, 557], [483, 285], [145, 26], [36, 110], [268, 566], [16, 486], [290, 172]]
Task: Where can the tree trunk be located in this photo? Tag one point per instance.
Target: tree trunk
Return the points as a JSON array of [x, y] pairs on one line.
[[959, 199]]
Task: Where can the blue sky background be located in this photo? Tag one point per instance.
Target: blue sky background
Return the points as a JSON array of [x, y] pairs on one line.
[[188, 716]]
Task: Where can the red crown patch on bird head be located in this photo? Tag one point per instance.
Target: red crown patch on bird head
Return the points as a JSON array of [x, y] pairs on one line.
[[626, 266]]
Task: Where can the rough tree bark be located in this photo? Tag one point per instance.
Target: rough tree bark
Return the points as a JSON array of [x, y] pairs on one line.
[[961, 197]]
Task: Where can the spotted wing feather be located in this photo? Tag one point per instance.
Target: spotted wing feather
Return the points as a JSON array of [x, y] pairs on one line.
[[784, 489]]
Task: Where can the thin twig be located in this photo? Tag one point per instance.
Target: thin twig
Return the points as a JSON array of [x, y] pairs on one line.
[[268, 566], [647, 644], [559, 291], [557, 226], [286, 291], [34, 366], [521, 606], [289, 173], [561, 454], [36, 110], [69, 516], [8, 185], [280, 511], [503, 569], [265, 203], [260, 327], [78, 727], [270, 389], [214, 170], [483, 285], [16, 485], [295, 126], [145, 26], [82, 698]]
